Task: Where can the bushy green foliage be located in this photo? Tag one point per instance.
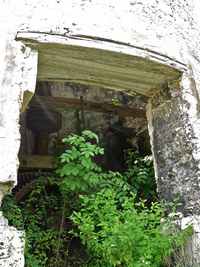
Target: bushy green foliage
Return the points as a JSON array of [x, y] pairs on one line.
[[40, 216], [124, 233], [101, 209], [77, 168], [13, 212], [140, 175], [44, 215]]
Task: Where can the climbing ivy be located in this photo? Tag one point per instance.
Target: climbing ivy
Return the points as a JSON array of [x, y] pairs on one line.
[[85, 216]]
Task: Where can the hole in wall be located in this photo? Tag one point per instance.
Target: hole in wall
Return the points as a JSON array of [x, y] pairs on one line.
[[59, 109]]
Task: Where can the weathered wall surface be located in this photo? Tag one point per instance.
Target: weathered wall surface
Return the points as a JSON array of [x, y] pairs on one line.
[[163, 30], [153, 24], [173, 123], [166, 27], [173, 146], [11, 245], [18, 75], [17, 78]]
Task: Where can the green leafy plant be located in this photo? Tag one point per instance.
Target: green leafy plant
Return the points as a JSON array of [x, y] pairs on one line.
[[13, 212], [78, 170], [140, 175], [44, 214], [129, 234], [84, 216]]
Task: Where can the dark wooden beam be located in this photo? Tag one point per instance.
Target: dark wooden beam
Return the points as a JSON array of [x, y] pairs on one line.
[[37, 162], [58, 103]]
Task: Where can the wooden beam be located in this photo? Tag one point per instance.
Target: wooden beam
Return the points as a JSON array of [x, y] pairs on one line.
[[37, 162], [57, 103]]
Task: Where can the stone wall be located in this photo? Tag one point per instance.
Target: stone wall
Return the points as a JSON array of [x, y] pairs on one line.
[[18, 74], [160, 30], [173, 120], [173, 145], [164, 31], [11, 245], [165, 34]]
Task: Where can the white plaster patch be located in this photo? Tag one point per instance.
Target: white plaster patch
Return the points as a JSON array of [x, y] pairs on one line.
[[11, 245], [193, 246], [190, 95], [20, 65]]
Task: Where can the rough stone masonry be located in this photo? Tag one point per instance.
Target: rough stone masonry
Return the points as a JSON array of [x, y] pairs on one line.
[[159, 36]]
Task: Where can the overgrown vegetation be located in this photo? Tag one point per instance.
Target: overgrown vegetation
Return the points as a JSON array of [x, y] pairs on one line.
[[85, 216]]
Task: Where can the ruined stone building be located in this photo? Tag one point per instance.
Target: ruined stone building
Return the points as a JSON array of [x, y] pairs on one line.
[[147, 49]]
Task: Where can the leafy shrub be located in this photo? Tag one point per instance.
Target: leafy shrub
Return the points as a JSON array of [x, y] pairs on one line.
[[78, 170], [45, 212], [129, 234], [103, 210], [140, 175], [13, 212]]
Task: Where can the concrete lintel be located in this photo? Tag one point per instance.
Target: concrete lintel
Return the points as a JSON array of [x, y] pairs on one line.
[[34, 38], [101, 62]]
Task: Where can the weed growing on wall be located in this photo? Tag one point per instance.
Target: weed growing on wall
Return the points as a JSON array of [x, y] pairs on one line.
[[85, 216]]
